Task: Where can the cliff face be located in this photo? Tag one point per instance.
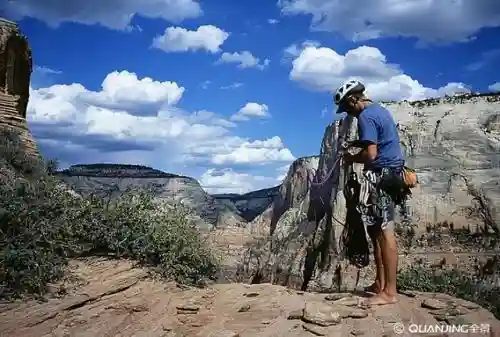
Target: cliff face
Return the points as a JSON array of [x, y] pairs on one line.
[[15, 74], [111, 179], [452, 142], [296, 230], [249, 205]]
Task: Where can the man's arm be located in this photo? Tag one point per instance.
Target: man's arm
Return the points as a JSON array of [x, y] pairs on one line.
[[364, 156], [368, 139]]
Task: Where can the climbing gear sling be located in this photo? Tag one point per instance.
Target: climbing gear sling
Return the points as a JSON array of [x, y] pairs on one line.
[[353, 238]]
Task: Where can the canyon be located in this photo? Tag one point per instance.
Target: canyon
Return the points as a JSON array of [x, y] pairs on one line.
[[282, 247], [209, 211]]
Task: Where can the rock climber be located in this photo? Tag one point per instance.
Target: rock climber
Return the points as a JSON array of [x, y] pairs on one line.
[[383, 161]]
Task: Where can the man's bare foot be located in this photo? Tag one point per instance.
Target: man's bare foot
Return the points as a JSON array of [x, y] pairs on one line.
[[381, 299]]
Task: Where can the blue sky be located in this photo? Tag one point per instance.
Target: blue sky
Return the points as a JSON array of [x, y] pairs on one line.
[[232, 91]]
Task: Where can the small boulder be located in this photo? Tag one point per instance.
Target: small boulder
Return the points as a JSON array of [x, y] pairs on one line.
[[321, 314]]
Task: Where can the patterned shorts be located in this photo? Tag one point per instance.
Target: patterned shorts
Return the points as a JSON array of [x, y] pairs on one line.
[[381, 212]]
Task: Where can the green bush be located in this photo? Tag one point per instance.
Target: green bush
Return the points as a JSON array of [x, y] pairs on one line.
[[458, 283], [43, 224]]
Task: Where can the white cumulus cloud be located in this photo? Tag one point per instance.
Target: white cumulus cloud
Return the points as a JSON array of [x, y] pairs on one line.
[[256, 152], [244, 59], [125, 88], [111, 14], [178, 39], [78, 125], [295, 49], [495, 87], [292, 51], [323, 69], [250, 110], [229, 181], [428, 20]]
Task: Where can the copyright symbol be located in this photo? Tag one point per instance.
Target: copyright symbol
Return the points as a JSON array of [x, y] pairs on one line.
[[399, 328]]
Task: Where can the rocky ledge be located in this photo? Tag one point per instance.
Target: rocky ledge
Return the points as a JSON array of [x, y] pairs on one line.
[[111, 298]]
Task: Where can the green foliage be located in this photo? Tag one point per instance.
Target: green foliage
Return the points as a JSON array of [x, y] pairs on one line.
[[43, 224], [453, 282]]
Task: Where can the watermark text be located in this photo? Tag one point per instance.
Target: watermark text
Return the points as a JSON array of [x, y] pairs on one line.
[[400, 328]]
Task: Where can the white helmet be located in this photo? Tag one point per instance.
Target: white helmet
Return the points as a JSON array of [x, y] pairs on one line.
[[348, 87]]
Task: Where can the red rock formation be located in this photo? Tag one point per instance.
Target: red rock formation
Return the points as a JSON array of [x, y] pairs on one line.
[[15, 74]]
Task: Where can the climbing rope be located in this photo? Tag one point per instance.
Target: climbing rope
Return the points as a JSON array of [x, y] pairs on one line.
[[353, 239]]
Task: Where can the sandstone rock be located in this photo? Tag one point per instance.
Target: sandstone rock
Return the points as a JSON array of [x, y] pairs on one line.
[[320, 314], [251, 294], [357, 331], [345, 312], [224, 333], [296, 314], [336, 297], [455, 311], [315, 330], [348, 302], [407, 293], [453, 143], [244, 308], [434, 304], [187, 308], [112, 298], [15, 57], [301, 250]]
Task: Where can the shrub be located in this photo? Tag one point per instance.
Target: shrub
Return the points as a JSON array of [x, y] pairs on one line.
[[43, 224], [458, 283]]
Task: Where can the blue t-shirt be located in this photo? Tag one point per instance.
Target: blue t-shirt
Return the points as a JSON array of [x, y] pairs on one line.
[[376, 125]]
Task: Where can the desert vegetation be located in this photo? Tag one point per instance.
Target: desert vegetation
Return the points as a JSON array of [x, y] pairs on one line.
[[476, 282], [43, 224], [463, 284]]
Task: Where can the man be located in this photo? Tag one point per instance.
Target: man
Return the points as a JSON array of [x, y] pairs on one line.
[[383, 159]]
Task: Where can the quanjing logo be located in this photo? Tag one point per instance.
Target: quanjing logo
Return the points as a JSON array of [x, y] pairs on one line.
[[400, 328]]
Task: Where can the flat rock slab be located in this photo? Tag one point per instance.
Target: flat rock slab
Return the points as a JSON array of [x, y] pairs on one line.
[[321, 314], [114, 299]]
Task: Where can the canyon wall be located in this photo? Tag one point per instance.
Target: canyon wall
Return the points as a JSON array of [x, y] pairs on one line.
[[114, 179], [211, 210], [15, 74], [453, 143]]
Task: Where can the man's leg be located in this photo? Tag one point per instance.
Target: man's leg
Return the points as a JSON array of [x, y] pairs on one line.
[[375, 234], [387, 243], [389, 261]]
